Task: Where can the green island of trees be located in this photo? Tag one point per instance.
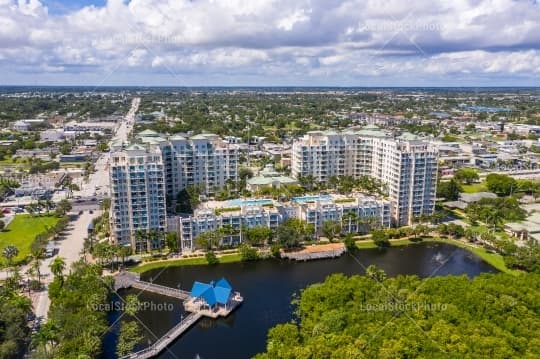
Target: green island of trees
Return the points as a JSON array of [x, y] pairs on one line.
[[492, 315]]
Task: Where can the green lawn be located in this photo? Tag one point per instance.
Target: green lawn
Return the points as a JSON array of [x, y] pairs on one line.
[[229, 258], [474, 188], [22, 231]]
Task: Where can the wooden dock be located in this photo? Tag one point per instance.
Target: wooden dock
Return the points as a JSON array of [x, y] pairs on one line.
[[166, 339], [194, 305], [132, 280], [319, 251], [197, 311]]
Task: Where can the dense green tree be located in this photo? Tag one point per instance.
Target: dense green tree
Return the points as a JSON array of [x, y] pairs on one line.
[[408, 317], [292, 232], [449, 190], [331, 229], [380, 238], [13, 327], [58, 265], [502, 185], [493, 211], [63, 207], [257, 236], [78, 310], [466, 175], [172, 241], [248, 253], [130, 335]]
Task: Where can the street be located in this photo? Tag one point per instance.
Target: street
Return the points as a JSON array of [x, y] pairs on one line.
[[98, 182]]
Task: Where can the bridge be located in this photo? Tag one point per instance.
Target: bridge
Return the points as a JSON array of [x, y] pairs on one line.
[[166, 339]]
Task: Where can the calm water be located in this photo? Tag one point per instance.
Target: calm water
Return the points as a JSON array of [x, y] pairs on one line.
[[267, 288]]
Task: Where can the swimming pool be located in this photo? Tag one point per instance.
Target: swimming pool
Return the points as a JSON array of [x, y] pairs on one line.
[[248, 202], [305, 199]]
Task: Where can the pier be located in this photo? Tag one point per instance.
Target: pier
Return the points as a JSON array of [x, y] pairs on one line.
[[321, 251], [213, 300], [166, 339]]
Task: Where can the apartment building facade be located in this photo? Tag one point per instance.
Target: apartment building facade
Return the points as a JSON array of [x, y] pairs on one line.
[[407, 165], [355, 213], [137, 196], [147, 174]]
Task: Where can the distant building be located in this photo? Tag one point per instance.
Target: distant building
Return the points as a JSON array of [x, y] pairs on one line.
[[269, 177], [27, 125]]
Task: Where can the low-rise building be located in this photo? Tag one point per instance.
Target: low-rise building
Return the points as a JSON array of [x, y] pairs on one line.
[[269, 177], [355, 213]]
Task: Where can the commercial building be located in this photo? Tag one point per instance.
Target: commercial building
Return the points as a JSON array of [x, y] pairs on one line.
[[407, 165]]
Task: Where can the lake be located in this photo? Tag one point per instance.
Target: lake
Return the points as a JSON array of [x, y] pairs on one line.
[[268, 287]]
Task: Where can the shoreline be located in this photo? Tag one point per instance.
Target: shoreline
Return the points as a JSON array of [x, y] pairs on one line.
[[493, 259]]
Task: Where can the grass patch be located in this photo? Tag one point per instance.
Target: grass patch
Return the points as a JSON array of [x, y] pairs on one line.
[[22, 231], [475, 188], [230, 258]]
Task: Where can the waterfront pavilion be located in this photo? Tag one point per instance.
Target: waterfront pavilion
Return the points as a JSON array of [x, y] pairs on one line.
[[211, 295]]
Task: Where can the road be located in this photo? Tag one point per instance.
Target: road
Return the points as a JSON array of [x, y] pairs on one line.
[[72, 245], [70, 248], [98, 181]]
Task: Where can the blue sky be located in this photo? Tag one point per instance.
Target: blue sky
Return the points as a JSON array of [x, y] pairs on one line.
[[61, 7], [270, 42]]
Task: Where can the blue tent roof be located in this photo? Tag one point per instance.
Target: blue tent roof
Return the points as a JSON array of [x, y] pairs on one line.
[[222, 294], [209, 296], [212, 293], [224, 284], [199, 288]]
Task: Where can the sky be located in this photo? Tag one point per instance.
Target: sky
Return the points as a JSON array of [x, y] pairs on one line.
[[270, 42]]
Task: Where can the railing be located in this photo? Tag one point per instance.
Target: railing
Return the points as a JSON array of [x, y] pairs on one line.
[[166, 339]]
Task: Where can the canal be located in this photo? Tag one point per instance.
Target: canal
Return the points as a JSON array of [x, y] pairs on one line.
[[268, 287]]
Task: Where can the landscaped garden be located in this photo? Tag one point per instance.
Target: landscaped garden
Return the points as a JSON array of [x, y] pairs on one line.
[[22, 231]]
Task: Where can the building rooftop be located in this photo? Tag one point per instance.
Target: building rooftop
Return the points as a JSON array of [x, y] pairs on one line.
[[213, 293], [148, 133]]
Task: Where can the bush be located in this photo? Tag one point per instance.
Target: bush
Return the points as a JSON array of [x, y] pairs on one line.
[[248, 253], [349, 242], [211, 258], [275, 249], [380, 238]]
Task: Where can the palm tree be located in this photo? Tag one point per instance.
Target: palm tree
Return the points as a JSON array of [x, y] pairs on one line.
[[350, 217], [57, 267], [47, 338], [38, 256], [9, 253], [142, 236]]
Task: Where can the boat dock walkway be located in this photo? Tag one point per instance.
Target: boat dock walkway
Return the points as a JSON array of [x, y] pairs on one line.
[[166, 339], [195, 306], [132, 280]]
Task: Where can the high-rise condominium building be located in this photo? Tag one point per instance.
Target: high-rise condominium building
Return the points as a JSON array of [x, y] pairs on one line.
[[175, 163], [137, 196], [407, 165]]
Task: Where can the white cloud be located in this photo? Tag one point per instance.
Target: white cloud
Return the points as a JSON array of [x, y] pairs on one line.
[[305, 39]]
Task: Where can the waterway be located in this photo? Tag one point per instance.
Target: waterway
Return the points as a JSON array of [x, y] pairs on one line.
[[268, 287]]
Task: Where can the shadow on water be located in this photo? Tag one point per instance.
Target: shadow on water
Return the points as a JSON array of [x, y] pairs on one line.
[[268, 287]]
